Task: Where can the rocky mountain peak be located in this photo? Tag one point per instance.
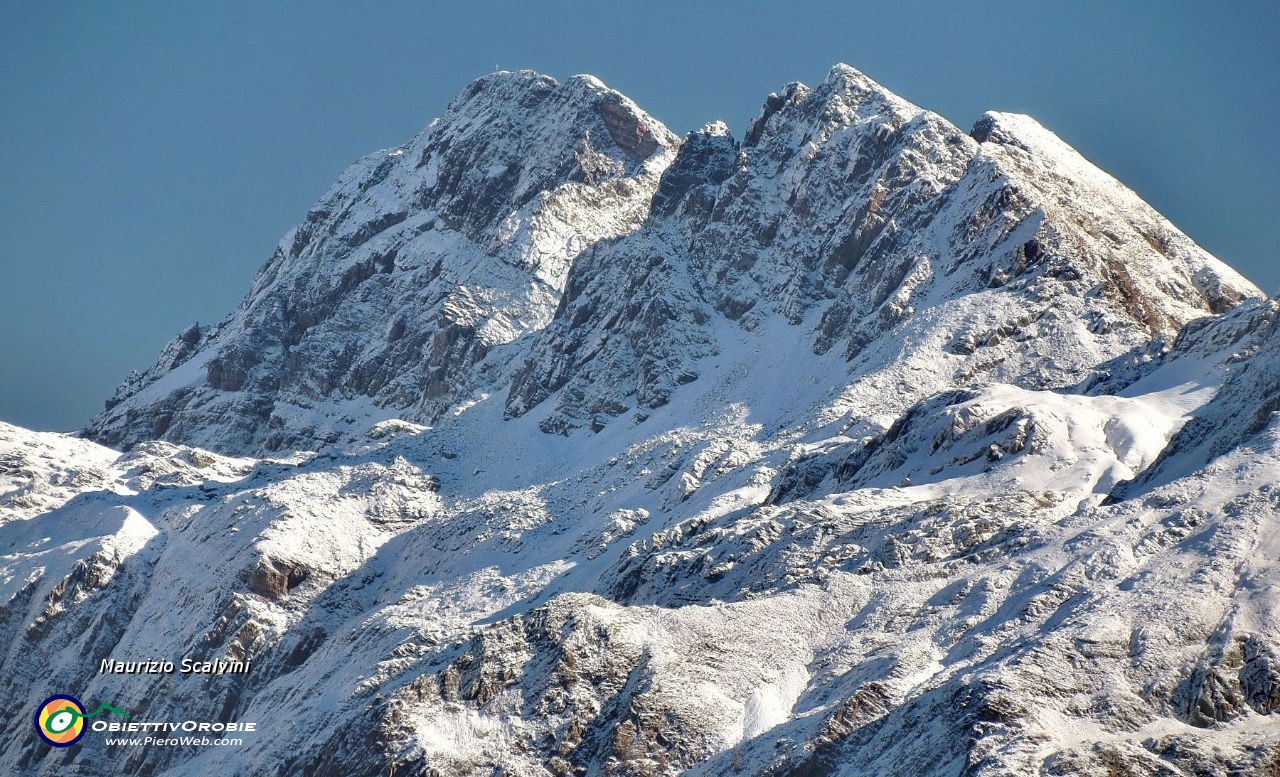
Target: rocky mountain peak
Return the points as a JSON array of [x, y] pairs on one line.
[[545, 238], [810, 114], [414, 265], [706, 158], [861, 446]]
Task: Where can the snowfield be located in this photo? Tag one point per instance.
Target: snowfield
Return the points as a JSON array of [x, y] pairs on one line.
[[553, 444]]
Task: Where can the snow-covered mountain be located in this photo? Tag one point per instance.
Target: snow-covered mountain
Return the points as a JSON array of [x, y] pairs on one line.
[[552, 443], [417, 264]]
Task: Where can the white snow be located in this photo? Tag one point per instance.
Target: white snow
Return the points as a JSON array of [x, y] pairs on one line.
[[865, 530]]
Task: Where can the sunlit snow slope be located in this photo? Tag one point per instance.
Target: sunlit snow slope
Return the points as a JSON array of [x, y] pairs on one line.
[[553, 444]]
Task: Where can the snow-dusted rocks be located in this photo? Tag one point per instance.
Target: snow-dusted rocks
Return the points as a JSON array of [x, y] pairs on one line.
[[501, 252], [417, 263], [858, 445]]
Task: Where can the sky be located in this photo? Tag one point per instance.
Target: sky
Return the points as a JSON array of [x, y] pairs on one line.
[[152, 154]]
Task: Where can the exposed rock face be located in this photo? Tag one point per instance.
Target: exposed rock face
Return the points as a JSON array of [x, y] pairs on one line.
[[417, 263], [498, 253], [862, 445], [892, 240]]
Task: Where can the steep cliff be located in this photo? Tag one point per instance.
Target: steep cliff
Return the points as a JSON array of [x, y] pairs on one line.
[[553, 444]]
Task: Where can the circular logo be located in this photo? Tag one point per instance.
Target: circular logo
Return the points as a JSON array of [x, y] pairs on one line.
[[60, 720]]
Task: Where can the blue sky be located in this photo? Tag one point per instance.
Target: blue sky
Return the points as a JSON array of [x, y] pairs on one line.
[[151, 154]]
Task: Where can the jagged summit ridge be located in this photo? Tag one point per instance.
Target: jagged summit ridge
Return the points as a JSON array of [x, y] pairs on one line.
[[890, 239], [1061, 175], [858, 445], [444, 269], [409, 270]]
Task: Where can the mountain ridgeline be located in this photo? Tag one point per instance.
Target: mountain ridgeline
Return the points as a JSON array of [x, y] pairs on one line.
[[554, 245], [552, 443]]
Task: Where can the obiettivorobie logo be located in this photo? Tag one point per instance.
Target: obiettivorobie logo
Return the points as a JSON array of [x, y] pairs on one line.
[[60, 719]]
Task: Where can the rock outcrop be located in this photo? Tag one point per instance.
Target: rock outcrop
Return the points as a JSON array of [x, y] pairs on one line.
[[553, 444]]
